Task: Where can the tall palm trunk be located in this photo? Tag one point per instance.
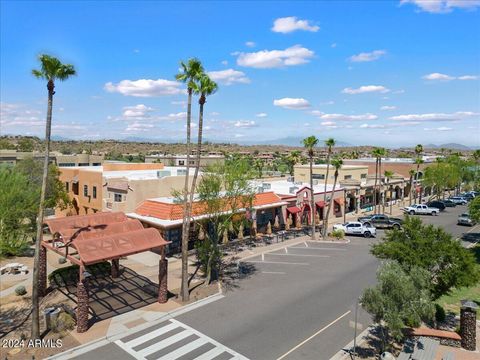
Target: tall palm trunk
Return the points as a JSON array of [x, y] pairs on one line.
[[312, 200], [38, 239], [186, 208], [416, 182], [325, 187], [382, 198], [411, 190], [375, 188], [332, 194], [197, 158]]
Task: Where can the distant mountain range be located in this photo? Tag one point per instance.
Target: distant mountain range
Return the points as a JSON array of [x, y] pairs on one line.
[[453, 146]]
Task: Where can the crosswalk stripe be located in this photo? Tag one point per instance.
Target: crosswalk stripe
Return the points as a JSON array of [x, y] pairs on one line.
[[164, 343], [184, 349], [209, 355], [150, 336]]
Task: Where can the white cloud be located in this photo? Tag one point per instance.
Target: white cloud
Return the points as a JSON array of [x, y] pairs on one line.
[[12, 115], [438, 76], [334, 45], [442, 128], [224, 62], [467, 77], [292, 23], [214, 113], [138, 126], [328, 123], [229, 77], [331, 102], [459, 115], [265, 59], [261, 115], [145, 87], [136, 51], [343, 117], [370, 126], [387, 108], [442, 6], [445, 77], [250, 44], [292, 103], [239, 135], [182, 103], [368, 56], [245, 124], [366, 89], [137, 111], [177, 116]]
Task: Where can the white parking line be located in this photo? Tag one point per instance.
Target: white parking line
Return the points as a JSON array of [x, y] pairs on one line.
[[276, 262], [311, 337], [274, 272], [290, 254], [316, 248]]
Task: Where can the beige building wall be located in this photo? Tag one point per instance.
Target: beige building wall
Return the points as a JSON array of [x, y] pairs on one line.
[[347, 172]]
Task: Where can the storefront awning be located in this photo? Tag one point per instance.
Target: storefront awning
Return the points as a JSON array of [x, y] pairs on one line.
[[339, 201], [294, 209], [320, 203]]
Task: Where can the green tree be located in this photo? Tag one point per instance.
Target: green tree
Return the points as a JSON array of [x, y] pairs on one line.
[[431, 248], [224, 191], [388, 176], [25, 144], [51, 70], [309, 143], [18, 206], [190, 73], [399, 299], [337, 164], [5, 144], [474, 209]]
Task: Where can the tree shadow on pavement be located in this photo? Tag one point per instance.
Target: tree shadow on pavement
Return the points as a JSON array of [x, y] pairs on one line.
[[233, 271], [472, 237]]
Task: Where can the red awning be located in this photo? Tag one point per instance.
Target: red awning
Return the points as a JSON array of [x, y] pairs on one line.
[[339, 201], [294, 209], [320, 203]]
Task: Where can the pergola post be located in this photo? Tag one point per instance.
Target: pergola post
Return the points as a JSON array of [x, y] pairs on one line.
[[163, 278], [42, 272], [82, 302], [115, 268]]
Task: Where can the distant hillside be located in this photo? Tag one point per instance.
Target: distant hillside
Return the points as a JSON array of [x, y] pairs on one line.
[[290, 141], [453, 146]]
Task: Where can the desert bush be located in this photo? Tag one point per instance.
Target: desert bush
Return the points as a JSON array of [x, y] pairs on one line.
[[338, 234], [64, 321], [20, 290]]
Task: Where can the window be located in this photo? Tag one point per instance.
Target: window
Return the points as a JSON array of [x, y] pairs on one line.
[[94, 192], [318, 176], [67, 186], [85, 190], [181, 162], [117, 197], [363, 176], [192, 162], [347, 177]]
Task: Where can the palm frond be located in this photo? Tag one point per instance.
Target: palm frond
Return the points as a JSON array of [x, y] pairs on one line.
[[52, 69]]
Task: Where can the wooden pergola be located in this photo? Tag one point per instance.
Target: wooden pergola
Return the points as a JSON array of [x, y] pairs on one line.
[[90, 239]]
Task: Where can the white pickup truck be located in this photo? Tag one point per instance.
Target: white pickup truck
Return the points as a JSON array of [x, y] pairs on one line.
[[356, 228], [420, 209]]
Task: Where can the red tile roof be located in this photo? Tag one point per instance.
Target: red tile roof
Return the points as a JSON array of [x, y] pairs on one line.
[[169, 211]]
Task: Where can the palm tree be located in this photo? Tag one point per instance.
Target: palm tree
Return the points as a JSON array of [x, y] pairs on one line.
[[388, 175], [329, 143], [377, 153], [411, 172], [293, 158], [51, 70], [189, 74], [309, 143], [204, 87], [337, 164]]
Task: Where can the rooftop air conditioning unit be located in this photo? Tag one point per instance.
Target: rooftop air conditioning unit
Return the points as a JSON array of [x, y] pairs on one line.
[[292, 189], [266, 186]]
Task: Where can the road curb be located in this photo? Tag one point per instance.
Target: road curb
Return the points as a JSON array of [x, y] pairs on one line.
[[344, 353], [108, 339]]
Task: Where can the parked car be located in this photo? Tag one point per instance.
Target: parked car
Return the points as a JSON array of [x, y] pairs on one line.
[[449, 203], [465, 219], [458, 200], [420, 209], [381, 221], [437, 204], [356, 228], [468, 196]]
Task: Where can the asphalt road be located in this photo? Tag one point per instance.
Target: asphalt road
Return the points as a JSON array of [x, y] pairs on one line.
[[294, 303]]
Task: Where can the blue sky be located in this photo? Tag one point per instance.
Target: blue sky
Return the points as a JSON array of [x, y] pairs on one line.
[[388, 73]]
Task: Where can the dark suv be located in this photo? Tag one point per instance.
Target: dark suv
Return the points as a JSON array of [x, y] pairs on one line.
[[437, 204]]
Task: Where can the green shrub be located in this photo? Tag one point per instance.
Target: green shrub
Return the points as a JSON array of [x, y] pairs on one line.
[[338, 234], [20, 290], [440, 315], [64, 321]]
